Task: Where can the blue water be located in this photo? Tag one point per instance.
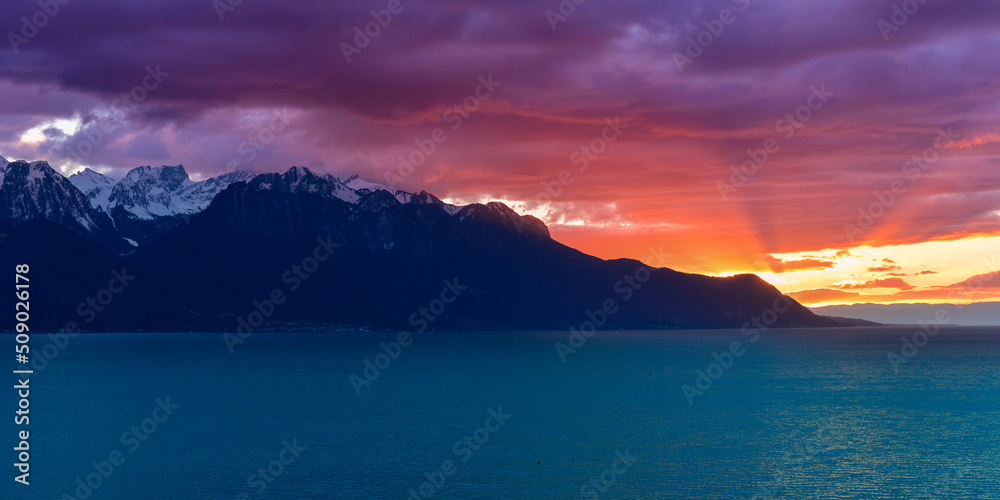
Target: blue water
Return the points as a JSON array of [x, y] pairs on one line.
[[801, 414]]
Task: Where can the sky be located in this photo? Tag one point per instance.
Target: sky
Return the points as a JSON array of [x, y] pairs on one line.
[[846, 151]]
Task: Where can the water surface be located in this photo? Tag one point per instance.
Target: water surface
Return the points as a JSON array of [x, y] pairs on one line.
[[801, 414]]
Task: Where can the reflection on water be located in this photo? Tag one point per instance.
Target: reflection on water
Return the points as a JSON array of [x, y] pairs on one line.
[[801, 414]]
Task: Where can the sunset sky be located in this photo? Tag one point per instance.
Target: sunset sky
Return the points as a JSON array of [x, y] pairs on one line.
[[840, 95]]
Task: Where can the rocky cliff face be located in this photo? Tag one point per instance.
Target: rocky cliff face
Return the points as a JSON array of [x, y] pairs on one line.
[[149, 201], [36, 191]]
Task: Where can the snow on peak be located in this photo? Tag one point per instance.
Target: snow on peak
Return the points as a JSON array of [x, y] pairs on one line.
[[39, 170], [300, 172], [168, 177], [234, 176], [356, 182], [87, 179], [37, 190], [95, 185], [362, 186], [303, 180], [150, 192], [198, 195], [3, 168], [32, 171]]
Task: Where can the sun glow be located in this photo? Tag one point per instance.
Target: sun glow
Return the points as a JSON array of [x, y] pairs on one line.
[[922, 272], [64, 126]]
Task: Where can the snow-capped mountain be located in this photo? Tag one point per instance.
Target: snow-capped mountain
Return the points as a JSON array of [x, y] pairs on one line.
[[362, 186], [148, 192], [96, 186], [385, 255], [303, 180], [151, 193], [353, 190], [149, 201], [198, 195], [37, 191], [3, 167]]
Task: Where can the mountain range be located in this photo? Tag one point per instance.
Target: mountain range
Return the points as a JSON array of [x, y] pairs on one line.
[[157, 251], [976, 314]]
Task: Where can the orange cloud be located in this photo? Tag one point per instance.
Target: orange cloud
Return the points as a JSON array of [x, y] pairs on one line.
[[882, 283], [883, 269], [825, 295], [787, 266], [991, 280]]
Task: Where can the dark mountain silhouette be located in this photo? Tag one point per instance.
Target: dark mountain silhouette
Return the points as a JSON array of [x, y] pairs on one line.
[[64, 270], [391, 259]]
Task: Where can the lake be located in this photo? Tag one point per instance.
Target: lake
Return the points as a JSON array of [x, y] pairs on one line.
[[818, 413]]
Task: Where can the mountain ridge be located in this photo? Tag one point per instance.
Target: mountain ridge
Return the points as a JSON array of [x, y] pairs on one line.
[[975, 314], [208, 270], [36, 190]]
